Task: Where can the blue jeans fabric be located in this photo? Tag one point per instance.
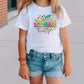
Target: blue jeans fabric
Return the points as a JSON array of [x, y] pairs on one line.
[[50, 65]]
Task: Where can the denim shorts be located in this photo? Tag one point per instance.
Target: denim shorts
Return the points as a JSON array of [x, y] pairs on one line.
[[49, 64]]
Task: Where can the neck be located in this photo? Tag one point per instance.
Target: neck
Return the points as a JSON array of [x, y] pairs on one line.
[[43, 3]]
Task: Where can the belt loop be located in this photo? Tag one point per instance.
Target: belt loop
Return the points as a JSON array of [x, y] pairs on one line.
[[45, 56], [51, 55], [32, 53], [36, 54]]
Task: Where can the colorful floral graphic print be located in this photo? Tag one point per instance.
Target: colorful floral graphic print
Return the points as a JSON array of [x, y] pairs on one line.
[[45, 24]]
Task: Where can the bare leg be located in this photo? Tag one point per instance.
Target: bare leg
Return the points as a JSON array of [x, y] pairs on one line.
[[36, 80], [54, 80]]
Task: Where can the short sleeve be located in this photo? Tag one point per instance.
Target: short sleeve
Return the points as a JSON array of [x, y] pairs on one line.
[[22, 20], [65, 20]]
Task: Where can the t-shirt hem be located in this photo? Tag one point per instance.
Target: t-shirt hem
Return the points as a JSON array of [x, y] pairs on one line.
[[20, 27], [65, 25]]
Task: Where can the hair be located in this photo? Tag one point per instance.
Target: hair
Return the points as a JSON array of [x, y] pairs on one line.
[[55, 4]]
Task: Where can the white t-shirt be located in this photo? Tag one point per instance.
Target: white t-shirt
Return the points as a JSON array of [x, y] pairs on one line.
[[43, 28]]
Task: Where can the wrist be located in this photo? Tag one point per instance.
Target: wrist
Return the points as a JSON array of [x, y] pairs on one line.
[[67, 58], [22, 59], [67, 61], [23, 63]]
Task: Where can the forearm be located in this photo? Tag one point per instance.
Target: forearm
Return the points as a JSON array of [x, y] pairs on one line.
[[67, 48], [67, 67], [22, 49]]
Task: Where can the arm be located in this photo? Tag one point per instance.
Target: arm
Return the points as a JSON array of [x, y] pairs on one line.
[[66, 43], [24, 70], [22, 44], [66, 49]]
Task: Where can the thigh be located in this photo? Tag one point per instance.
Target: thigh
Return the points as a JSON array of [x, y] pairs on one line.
[[36, 80], [54, 80]]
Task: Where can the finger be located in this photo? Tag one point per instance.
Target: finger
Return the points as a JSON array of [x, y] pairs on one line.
[[66, 74], [69, 73], [63, 71], [23, 76], [26, 76]]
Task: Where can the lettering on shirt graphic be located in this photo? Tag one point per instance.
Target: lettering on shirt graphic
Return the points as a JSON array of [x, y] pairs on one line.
[[45, 23]]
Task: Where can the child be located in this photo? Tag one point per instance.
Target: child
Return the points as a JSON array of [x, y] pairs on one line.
[[43, 38]]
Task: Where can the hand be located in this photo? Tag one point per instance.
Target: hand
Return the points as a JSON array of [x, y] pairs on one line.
[[67, 68], [24, 72]]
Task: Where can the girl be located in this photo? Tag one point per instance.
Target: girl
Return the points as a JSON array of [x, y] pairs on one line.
[[43, 38]]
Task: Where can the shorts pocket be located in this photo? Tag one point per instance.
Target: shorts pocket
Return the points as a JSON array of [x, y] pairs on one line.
[[30, 57], [58, 58]]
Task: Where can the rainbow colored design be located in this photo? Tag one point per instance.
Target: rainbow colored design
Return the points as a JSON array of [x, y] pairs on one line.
[[45, 24]]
